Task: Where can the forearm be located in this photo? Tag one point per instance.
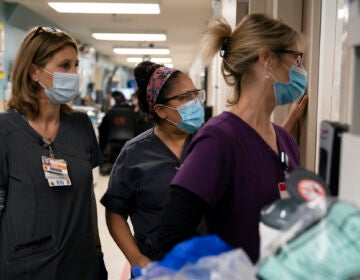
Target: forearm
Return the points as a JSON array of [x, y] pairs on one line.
[[2, 202], [289, 124], [181, 217], [4, 176], [297, 110], [95, 222], [103, 275], [120, 231]]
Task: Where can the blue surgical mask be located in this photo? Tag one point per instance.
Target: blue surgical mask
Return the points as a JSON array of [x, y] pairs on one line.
[[286, 93], [192, 115], [65, 87]]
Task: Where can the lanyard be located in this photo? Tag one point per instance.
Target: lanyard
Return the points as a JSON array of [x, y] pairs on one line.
[[284, 162], [47, 143], [285, 166]]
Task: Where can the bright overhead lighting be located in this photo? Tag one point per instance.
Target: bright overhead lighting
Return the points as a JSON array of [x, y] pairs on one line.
[[153, 59], [105, 8], [161, 59], [129, 36], [169, 65], [140, 51], [134, 59]]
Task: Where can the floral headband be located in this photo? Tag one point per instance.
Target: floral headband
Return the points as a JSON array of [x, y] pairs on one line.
[[156, 82]]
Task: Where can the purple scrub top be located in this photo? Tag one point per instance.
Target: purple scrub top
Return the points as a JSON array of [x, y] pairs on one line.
[[233, 169]]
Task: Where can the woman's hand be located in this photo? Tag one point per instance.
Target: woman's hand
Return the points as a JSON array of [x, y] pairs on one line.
[[297, 110], [139, 261]]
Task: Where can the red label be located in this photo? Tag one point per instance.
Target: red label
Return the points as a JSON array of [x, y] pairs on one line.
[[119, 120], [282, 186]]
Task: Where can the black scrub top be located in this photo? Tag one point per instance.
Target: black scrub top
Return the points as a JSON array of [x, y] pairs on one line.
[[139, 184], [47, 232]]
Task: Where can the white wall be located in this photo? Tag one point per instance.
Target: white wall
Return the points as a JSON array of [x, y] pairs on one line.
[[217, 86], [337, 66]]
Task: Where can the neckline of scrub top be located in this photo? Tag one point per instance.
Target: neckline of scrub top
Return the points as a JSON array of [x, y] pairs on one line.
[[24, 123], [183, 153], [256, 134]]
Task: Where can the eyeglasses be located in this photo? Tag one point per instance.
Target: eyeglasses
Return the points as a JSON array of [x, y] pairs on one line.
[[187, 96], [48, 29], [299, 56]]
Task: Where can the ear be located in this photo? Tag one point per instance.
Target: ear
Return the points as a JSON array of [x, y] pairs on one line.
[[34, 72], [265, 56], [159, 110]]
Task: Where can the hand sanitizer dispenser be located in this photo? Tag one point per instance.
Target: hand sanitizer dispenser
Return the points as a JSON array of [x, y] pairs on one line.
[[329, 161]]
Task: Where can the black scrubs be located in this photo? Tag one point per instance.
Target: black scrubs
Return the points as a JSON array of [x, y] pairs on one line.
[[47, 232], [139, 185]]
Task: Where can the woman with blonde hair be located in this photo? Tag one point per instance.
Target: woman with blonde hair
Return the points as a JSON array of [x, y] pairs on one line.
[[237, 162]]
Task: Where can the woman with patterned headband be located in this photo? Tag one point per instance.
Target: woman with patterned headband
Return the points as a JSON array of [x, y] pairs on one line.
[[48, 221], [141, 176]]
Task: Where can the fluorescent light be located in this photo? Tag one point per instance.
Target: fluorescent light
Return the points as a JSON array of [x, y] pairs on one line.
[[343, 13], [105, 8], [129, 36], [153, 59], [140, 51], [134, 59], [161, 59]]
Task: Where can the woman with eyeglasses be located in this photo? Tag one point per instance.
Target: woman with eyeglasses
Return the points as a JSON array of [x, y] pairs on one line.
[[142, 173], [237, 162], [48, 225]]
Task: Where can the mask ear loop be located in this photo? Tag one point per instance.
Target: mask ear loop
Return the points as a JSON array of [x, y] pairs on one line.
[[269, 73], [167, 119], [170, 121], [47, 71], [41, 84], [43, 69], [172, 108], [287, 68]]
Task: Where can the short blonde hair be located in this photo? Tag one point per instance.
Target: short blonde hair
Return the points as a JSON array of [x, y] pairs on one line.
[[38, 47], [240, 48]]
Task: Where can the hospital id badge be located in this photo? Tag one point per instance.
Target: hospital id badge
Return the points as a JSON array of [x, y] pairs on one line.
[[283, 190], [55, 171]]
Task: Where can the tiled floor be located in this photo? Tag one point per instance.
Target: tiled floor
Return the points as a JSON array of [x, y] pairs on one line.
[[115, 262]]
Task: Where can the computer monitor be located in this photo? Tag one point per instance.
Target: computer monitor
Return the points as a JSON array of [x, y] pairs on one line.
[[329, 158]]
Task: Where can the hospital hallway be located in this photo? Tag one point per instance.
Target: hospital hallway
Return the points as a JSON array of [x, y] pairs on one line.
[[116, 264], [235, 125]]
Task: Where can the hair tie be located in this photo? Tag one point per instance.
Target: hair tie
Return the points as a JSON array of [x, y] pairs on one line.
[[156, 82], [225, 49]]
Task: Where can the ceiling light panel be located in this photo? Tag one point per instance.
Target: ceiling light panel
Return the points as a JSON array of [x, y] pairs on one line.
[[153, 59], [129, 37], [105, 8], [140, 51]]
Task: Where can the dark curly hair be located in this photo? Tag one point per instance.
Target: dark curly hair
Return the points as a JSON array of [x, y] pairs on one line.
[[142, 73]]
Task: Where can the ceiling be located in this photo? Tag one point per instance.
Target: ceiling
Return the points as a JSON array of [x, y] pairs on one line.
[[182, 20]]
